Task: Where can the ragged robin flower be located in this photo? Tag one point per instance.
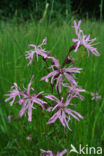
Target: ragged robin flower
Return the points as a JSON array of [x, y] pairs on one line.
[[74, 91], [58, 73], [38, 50], [50, 153], [84, 40], [26, 99], [63, 112]]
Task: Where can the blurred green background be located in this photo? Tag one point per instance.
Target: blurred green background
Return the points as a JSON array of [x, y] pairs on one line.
[[34, 8]]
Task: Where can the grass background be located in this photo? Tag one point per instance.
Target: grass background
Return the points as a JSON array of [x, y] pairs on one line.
[[14, 40]]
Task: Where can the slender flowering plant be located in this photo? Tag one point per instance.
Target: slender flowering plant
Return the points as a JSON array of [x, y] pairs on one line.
[[59, 76]]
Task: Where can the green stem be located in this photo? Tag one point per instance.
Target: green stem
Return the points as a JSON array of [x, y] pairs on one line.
[[49, 81], [70, 49]]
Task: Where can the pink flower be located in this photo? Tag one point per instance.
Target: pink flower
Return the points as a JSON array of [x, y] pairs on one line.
[[10, 117], [38, 50], [25, 99], [62, 153], [58, 73], [84, 40], [13, 93], [46, 153], [29, 138], [50, 153], [63, 113], [95, 96], [74, 91]]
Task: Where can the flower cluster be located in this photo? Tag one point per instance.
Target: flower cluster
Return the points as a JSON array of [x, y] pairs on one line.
[[59, 76]]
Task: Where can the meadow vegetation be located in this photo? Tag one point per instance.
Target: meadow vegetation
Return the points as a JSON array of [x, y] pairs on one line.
[[14, 40]]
